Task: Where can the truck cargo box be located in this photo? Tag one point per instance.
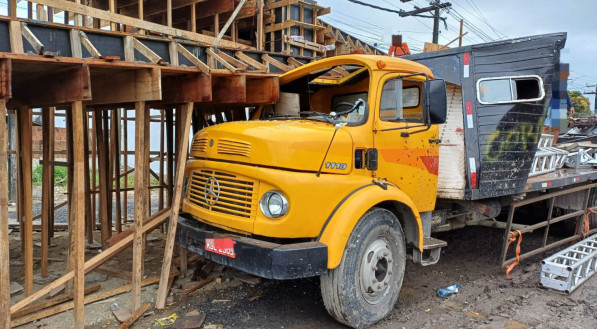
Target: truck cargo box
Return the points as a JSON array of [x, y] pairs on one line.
[[498, 95]]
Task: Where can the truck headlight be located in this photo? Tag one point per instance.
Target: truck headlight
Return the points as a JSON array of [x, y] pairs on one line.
[[185, 186], [273, 204]]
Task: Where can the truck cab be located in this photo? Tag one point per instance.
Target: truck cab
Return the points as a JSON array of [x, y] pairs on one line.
[[331, 181]]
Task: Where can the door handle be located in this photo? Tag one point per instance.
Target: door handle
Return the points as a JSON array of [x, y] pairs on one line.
[[431, 141]]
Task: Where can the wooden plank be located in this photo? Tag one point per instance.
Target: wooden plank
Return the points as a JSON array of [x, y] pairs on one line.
[[114, 273], [125, 144], [141, 181], [88, 299], [88, 45], [263, 91], [134, 317], [145, 51], [130, 21], [126, 87], [90, 265], [211, 8], [32, 39], [60, 86], [16, 39], [188, 88], [268, 59], [173, 50], [5, 78], [4, 245], [196, 61], [47, 185], [182, 153], [260, 33], [170, 154], [196, 286], [103, 172], [25, 145], [229, 89], [212, 54], [89, 213], [78, 230], [292, 61], [115, 164], [108, 179], [129, 48], [256, 64], [194, 17], [278, 4], [75, 44], [239, 64], [12, 8], [51, 302]]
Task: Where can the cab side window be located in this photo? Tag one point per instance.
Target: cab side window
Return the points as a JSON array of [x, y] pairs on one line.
[[400, 102]]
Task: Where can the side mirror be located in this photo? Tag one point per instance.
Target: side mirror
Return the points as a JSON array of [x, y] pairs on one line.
[[435, 102]]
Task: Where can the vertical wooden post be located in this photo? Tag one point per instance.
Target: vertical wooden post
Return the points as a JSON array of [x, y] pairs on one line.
[[169, 12], [126, 164], [181, 153], [115, 163], [25, 145], [109, 183], [70, 265], [47, 185], [162, 140], [12, 8], [170, 153], [78, 231], [140, 6], [193, 17], [4, 245], [103, 172], [112, 7], [78, 18], [93, 170], [260, 25], [141, 180], [89, 217]]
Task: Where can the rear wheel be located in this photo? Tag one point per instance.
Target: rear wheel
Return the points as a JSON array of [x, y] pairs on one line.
[[364, 287]]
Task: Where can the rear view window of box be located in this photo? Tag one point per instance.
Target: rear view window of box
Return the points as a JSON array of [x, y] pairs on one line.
[[527, 88]]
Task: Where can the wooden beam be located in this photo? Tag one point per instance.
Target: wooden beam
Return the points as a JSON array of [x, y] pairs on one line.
[[32, 39], [47, 185], [263, 90], [5, 78], [4, 245], [212, 54], [75, 44], [59, 86], [88, 45], [194, 18], [25, 145], [247, 59], [214, 7], [16, 39], [134, 317], [130, 21], [103, 173], [196, 61], [126, 87], [145, 51], [237, 63], [12, 8], [169, 12], [51, 302], [188, 88], [229, 89], [292, 61], [270, 60], [182, 152], [78, 231], [141, 181], [260, 33]]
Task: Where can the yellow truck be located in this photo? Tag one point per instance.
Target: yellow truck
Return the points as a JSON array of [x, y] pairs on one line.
[[333, 187]]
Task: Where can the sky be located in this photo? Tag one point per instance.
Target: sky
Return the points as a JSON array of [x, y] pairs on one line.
[[485, 20]]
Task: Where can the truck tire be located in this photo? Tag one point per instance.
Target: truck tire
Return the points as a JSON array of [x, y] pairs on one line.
[[364, 287]]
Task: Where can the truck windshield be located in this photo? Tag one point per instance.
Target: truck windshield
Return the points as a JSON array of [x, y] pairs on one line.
[[336, 94]]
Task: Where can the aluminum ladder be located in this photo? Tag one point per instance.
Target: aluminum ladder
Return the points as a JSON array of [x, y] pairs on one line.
[[569, 268]]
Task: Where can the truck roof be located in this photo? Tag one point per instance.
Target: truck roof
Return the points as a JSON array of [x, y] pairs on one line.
[[372, 62]]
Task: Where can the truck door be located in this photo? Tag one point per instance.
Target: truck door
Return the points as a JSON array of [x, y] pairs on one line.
[[408, 149]]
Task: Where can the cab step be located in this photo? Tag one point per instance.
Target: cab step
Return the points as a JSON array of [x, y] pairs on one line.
[[432, 248], [569, 268]]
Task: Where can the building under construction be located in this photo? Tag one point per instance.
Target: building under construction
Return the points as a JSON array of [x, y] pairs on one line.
[[119, 74]]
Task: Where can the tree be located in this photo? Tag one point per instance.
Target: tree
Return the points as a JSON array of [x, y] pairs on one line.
[[581, 104]]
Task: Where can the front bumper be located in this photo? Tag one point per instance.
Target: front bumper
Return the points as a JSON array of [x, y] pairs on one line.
[[257, 257]]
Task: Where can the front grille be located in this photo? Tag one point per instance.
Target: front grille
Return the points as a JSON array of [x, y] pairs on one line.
[[199, 145], [232, 147], [235, 197]]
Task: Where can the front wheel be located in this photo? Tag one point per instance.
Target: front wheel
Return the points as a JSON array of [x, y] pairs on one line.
[[364, 287]]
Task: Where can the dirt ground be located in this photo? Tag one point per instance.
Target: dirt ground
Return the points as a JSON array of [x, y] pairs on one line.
[[487, 298]]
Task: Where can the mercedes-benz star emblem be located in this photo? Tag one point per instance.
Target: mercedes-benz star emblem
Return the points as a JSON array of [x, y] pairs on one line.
[[211, 191]]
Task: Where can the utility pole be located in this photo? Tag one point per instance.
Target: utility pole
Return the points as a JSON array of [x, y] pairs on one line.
[[433, 7], [436, 24], [593, 93]]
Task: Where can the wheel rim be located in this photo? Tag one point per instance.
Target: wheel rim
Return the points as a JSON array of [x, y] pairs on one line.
[[376, 271]]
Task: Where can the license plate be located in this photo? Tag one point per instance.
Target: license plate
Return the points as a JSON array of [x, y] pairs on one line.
[[224, 247]]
